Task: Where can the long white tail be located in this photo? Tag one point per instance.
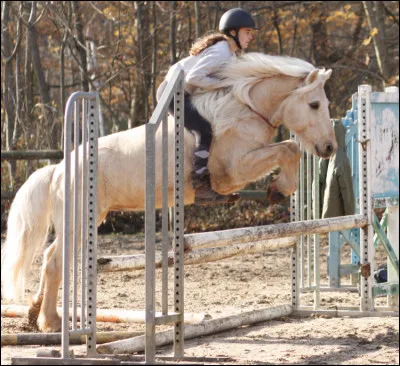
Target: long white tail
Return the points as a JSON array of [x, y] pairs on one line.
[[27, 227]]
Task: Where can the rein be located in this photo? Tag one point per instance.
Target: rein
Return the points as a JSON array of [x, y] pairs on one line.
[[265, 119]]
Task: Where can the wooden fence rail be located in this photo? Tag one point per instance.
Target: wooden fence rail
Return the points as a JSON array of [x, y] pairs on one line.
[[28, 155], [31, 154]]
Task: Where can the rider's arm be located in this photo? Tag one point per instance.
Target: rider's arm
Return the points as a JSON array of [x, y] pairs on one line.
[[210, 61]]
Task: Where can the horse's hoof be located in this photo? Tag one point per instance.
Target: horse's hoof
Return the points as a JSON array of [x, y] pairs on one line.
[[274, 196], [33, 314], [49, 326], [187, 248]]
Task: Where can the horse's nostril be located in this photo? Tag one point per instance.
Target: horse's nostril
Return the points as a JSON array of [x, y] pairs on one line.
[[329, 149]]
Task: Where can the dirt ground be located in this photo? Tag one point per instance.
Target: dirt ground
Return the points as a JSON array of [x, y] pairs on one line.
[[236, 285]]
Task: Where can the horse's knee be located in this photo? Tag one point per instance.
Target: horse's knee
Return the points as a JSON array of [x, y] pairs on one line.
[[294, 148]]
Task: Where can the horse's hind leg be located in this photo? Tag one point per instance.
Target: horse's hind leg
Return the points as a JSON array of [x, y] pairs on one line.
[[44, 304], [36, 301]]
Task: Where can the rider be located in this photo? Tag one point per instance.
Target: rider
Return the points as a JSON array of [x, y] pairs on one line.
[[207, 56]]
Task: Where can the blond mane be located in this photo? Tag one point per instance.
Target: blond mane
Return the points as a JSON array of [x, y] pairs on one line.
[[238, 76], [258, 65]]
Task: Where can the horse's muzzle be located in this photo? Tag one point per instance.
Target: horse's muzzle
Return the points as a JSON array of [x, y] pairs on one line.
[[326, 151]]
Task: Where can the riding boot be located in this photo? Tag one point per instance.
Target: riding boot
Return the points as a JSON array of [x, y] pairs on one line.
[[204, 194]]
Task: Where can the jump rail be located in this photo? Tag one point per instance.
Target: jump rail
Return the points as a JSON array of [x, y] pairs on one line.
[[245, 235]]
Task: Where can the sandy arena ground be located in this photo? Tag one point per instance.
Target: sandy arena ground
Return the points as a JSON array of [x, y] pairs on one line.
[[237, 285]]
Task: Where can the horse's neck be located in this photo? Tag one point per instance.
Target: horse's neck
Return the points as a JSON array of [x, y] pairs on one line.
[[223, 109], [268, 94]]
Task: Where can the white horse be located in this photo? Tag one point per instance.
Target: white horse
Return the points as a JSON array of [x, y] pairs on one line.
[[257, 93]]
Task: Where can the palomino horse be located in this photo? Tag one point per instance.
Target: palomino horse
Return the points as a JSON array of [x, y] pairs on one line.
[[257, 93]]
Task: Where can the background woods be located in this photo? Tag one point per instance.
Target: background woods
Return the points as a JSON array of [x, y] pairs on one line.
[[50, 49]]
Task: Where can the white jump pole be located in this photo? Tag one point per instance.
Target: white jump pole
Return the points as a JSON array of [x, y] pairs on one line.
[[137, 344]]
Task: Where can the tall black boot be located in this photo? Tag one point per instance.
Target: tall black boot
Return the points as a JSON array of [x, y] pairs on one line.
[[204, 194]]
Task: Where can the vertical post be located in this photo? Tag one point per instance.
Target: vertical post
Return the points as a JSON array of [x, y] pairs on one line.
[[92, 224], [294, 216], [316, 236], [366, 234], [301, 218], [179, 218], [165, 238], [66, 231], [393, 233], [308, 216], [76, 217], [393, 237], [84, 207], [334, 259], [150, 207], [88, 219]]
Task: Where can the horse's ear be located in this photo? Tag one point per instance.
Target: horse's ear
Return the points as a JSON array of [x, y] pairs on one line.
[[311, 77], [327, 74]]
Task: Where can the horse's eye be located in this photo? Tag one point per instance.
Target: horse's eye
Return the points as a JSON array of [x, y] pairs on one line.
[[314, 105]]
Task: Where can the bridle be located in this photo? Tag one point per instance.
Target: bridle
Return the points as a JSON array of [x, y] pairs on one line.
[[265, 119]]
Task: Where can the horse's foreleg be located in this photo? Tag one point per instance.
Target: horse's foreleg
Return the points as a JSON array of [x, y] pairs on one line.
[[45, 299], [255, 164]]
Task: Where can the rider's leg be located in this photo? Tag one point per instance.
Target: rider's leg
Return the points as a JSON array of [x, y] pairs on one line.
[[202, 130]]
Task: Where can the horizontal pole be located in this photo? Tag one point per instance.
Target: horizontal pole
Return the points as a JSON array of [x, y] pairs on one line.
[[346, 269], [257, 233], [137, 261], [329, 289], [253, 195], [62, 361], [23, 339], [213, 326], [102, 315], [31, 154], [356, 313], [7, 195]]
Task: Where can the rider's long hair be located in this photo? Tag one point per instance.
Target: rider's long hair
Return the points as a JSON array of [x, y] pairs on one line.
[[206, 41]]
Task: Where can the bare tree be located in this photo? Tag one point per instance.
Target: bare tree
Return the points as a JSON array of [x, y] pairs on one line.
[[140, 113], [10, 87], [172, 31], [154, 55], [197, 15], [276, 21], [47, 109], [375, 12], [80, 45]]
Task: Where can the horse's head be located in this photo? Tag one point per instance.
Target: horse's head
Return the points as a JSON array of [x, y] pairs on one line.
[[305, 112], [284, 89]]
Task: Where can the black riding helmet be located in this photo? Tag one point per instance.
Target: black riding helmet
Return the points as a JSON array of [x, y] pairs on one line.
[[235, 19]]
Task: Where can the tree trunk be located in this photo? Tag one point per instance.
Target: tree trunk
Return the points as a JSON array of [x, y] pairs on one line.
[[42, 84], [197, 15], [216, 15], [8, 88], [80, 46], [375, 13], [294, 39], [62, 68], [172, 31], [154, 56], [140, 110], [28, 81], [276, 21]]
